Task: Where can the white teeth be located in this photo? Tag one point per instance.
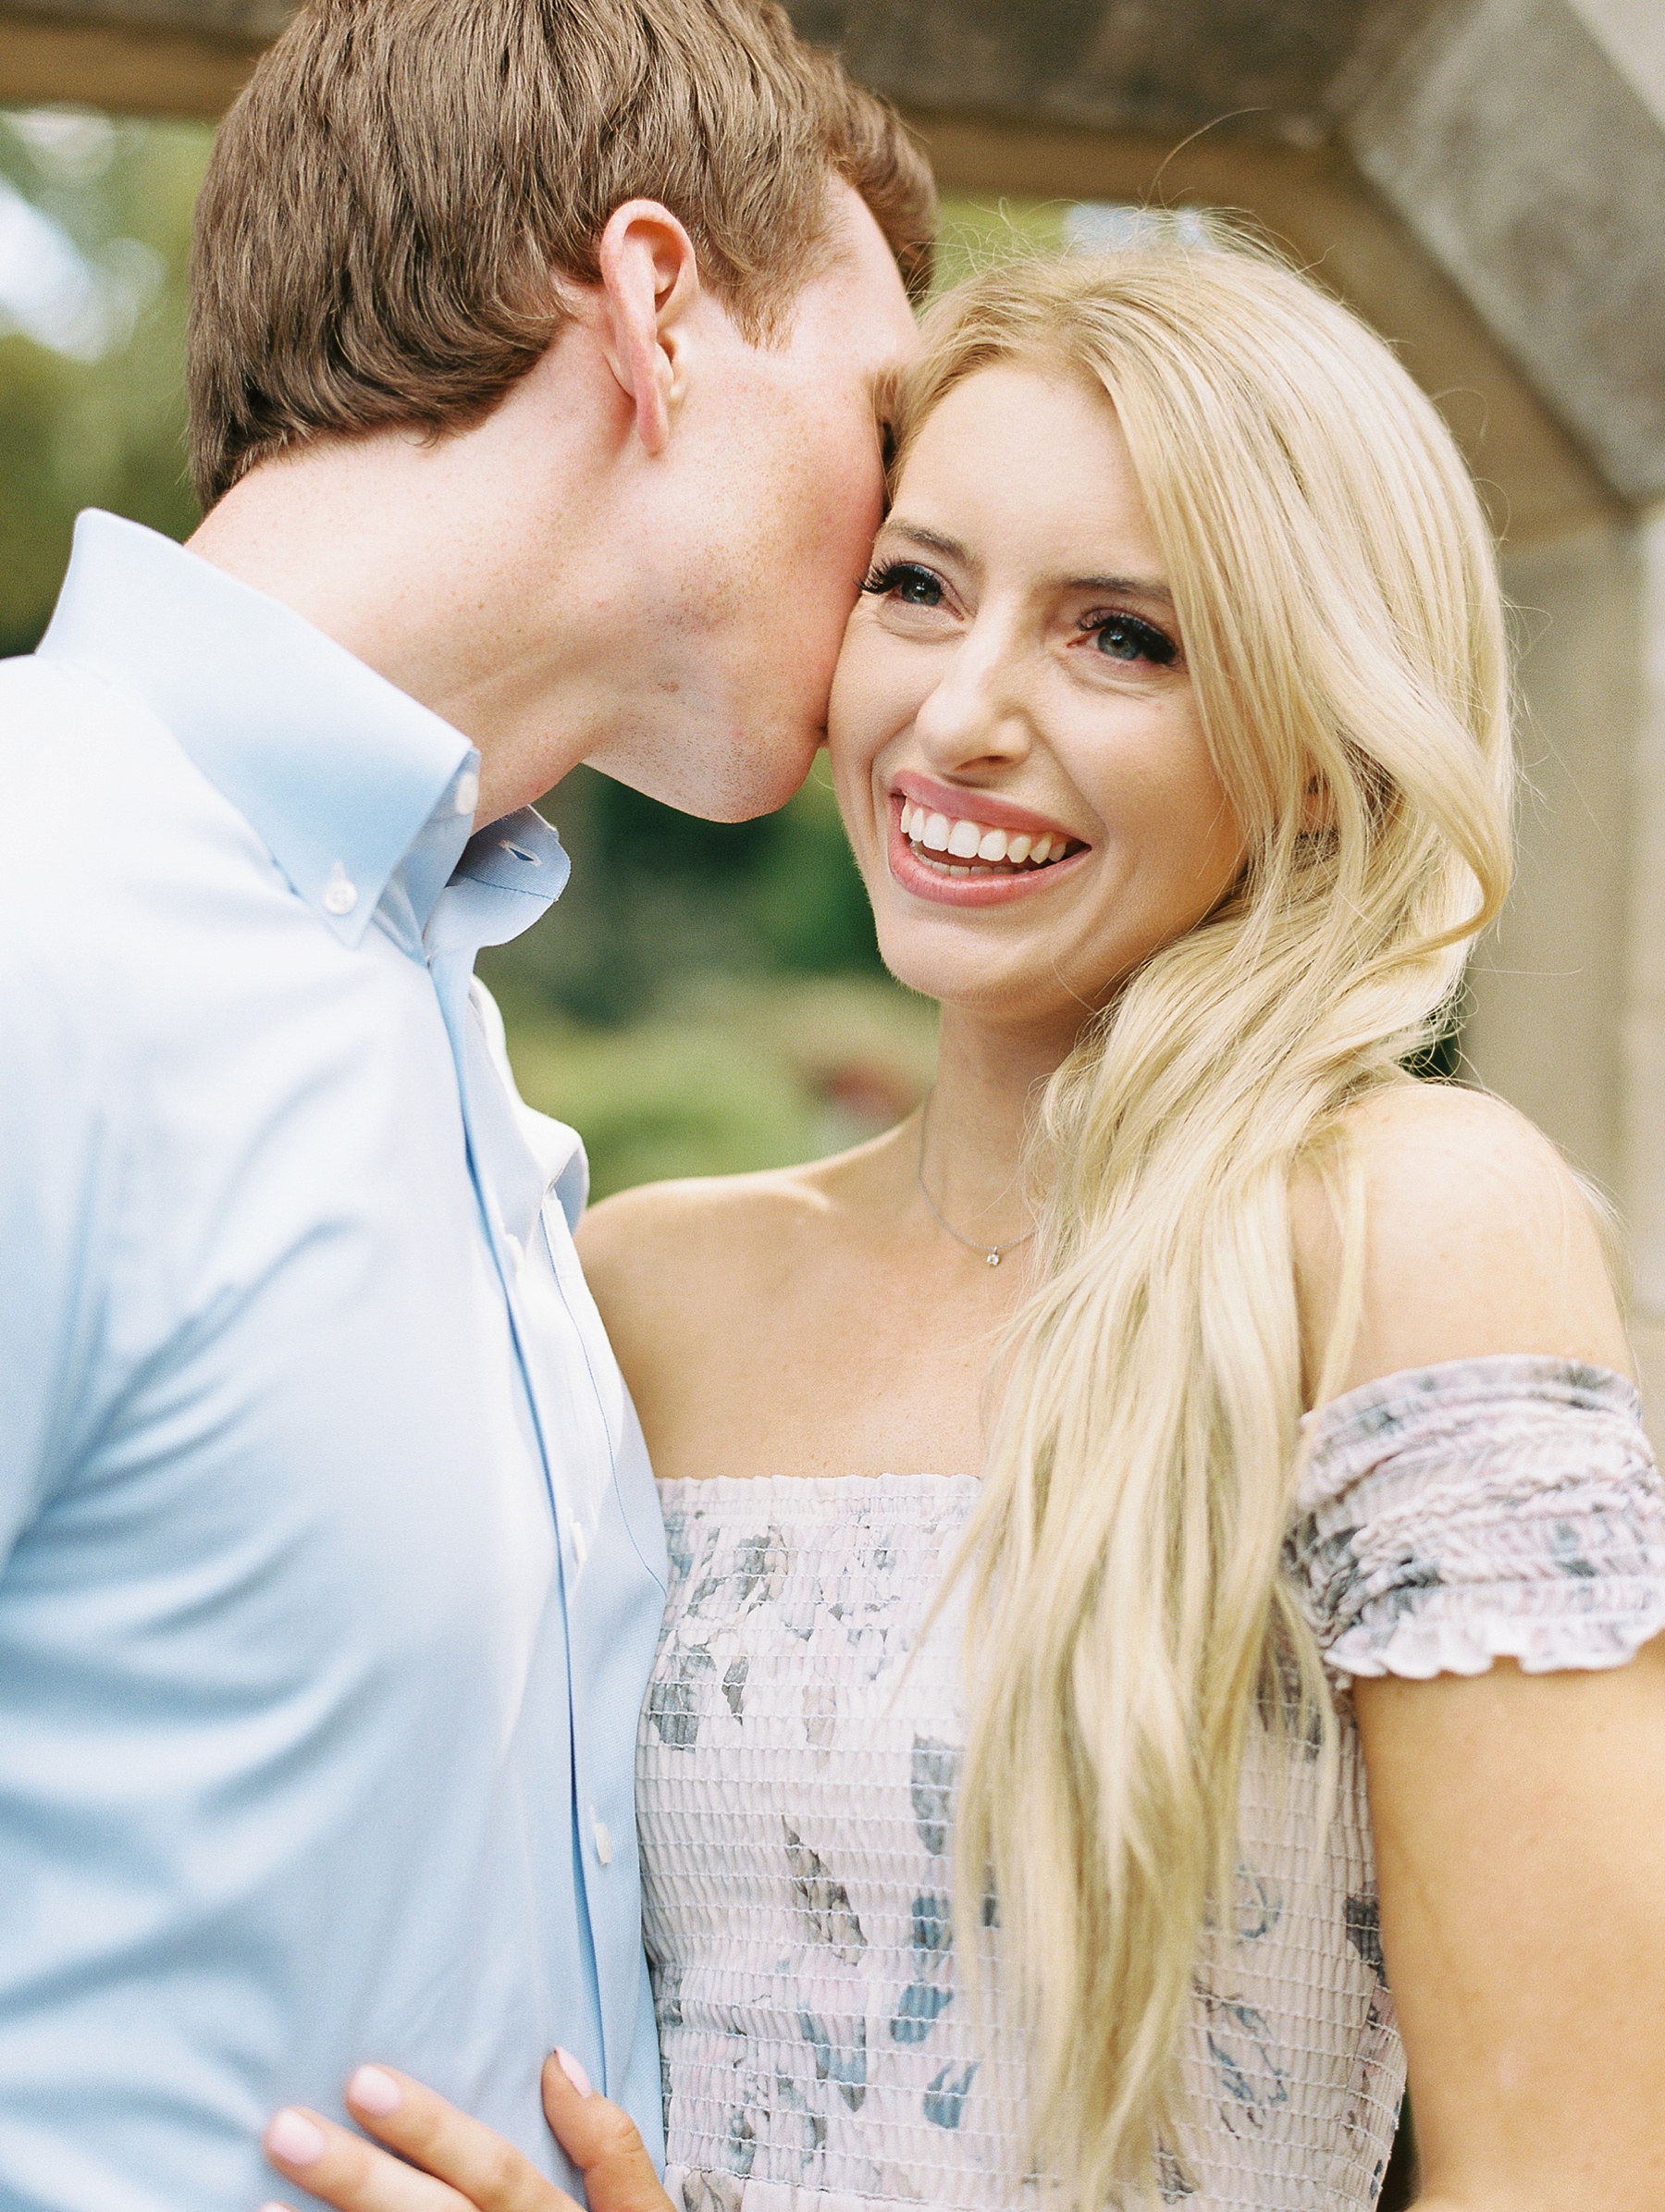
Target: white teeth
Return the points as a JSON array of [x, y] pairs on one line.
[[969, 840]]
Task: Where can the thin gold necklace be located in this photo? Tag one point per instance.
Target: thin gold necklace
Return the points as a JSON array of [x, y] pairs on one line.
[[992, 1253]]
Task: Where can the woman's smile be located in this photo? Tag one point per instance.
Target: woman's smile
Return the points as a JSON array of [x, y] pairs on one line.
[[973, 848], [1014, 715]]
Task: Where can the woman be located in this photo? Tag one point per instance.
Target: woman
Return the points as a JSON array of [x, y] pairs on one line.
[[1081, 1498]]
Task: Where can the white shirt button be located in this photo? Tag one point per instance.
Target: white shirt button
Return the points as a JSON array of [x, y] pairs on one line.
[[603, 1842], [516, 1251], [466, 797], [580, 1543], [340, 893]]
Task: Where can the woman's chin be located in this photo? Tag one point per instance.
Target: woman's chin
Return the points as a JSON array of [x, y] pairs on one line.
[[1003, 994]]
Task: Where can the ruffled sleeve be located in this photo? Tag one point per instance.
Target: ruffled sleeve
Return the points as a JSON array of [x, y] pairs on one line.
[[1487, 1508]]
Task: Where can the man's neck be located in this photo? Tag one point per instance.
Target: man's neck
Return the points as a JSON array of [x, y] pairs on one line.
[[436, 562]]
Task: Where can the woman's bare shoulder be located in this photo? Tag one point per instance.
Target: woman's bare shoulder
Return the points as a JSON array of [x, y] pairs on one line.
[[1480, 1239], [659, 1234], [688, 1250], [655, 1223]]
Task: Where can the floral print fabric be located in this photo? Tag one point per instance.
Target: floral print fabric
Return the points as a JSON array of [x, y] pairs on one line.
[[1485, 1509], [797, 1759]]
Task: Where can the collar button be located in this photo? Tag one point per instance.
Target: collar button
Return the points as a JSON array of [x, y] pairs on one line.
[[340, 893]]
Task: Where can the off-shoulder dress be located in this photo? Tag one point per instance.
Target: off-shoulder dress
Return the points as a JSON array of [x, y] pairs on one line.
[[796, 1780]]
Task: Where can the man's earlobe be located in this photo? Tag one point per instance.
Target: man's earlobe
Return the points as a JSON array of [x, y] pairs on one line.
[[649, 279]]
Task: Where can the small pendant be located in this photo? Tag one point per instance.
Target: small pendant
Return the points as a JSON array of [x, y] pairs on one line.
[[994, 1259]]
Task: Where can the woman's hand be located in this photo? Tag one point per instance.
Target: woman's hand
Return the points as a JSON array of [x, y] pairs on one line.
[[456, 2164]]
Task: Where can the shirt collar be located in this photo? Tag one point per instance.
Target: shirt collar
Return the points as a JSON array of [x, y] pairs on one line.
[[336, 770]]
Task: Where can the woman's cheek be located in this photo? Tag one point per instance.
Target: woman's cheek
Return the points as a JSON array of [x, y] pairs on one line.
[[861, 714]]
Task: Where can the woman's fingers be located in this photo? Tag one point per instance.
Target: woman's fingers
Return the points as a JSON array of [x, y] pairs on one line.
[[345, 2170], [464, 2165], [601, 2141]]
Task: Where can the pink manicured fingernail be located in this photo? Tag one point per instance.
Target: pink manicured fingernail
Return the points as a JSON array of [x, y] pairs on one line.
[[294, 2139], [373, 2091], [574, 2072]]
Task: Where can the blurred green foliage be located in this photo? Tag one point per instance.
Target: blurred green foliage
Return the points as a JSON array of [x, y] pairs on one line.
[[98, 421], [731, 1072], [707, 997]]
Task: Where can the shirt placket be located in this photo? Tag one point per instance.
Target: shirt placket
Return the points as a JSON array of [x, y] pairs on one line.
[[492, 1138]]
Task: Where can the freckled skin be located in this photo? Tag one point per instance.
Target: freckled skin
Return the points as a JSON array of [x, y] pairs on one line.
[[754, 551]]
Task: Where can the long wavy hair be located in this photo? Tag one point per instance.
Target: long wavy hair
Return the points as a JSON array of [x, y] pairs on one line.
[[1336, 595]]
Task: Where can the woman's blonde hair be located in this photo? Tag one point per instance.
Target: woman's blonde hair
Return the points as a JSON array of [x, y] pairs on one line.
[[1337, 597]]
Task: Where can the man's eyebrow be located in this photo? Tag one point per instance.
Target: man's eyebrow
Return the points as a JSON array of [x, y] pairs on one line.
[[935, 541]]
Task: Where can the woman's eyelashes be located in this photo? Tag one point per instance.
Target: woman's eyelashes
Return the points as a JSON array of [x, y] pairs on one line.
[[1124, 637], [909, 581], [1118, 636]]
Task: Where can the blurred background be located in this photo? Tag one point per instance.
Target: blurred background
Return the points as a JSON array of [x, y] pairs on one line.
[[1483, 179]]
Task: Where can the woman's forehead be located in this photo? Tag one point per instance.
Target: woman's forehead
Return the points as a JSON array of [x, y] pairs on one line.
[[1026, 464]]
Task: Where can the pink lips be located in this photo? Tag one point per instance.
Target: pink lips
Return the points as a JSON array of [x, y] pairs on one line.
[[986, 806], [926, 881]]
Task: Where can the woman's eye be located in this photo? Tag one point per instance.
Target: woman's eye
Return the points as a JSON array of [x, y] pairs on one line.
[[1124, 638], [907, 581]]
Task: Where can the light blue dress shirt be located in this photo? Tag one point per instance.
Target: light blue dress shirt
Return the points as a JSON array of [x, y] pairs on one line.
[[331, 1564]]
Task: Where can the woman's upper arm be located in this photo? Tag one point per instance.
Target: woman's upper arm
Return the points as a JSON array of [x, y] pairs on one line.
[[1519, 1838], [1519, 1816]]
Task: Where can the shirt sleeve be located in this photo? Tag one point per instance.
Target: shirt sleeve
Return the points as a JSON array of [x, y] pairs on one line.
[[1483, 1509], [59, 1168]]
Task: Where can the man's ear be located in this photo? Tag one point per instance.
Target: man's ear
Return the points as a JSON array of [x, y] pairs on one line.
[[649, 279]]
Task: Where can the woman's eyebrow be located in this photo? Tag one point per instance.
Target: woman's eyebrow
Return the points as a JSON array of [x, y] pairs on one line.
[[1133, 588], [932, 540]]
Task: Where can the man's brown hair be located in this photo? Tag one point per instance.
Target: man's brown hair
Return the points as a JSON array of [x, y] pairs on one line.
[[393, 193]]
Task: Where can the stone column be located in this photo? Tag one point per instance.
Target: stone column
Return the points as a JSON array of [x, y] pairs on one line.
[[1643, 1172], [1548, 987], [1522, 143]]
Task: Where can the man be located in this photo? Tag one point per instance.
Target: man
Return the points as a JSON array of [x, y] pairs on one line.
[[532, 371]]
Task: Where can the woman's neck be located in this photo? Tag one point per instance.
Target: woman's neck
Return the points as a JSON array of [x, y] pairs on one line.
[[988, 1082]]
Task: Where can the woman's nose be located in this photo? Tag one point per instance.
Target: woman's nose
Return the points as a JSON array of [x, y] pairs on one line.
[[974, 714]]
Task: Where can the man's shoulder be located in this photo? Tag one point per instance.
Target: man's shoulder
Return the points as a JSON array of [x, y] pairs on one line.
[[43, 697], [82, 764], [130, 890], [103, 805]]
